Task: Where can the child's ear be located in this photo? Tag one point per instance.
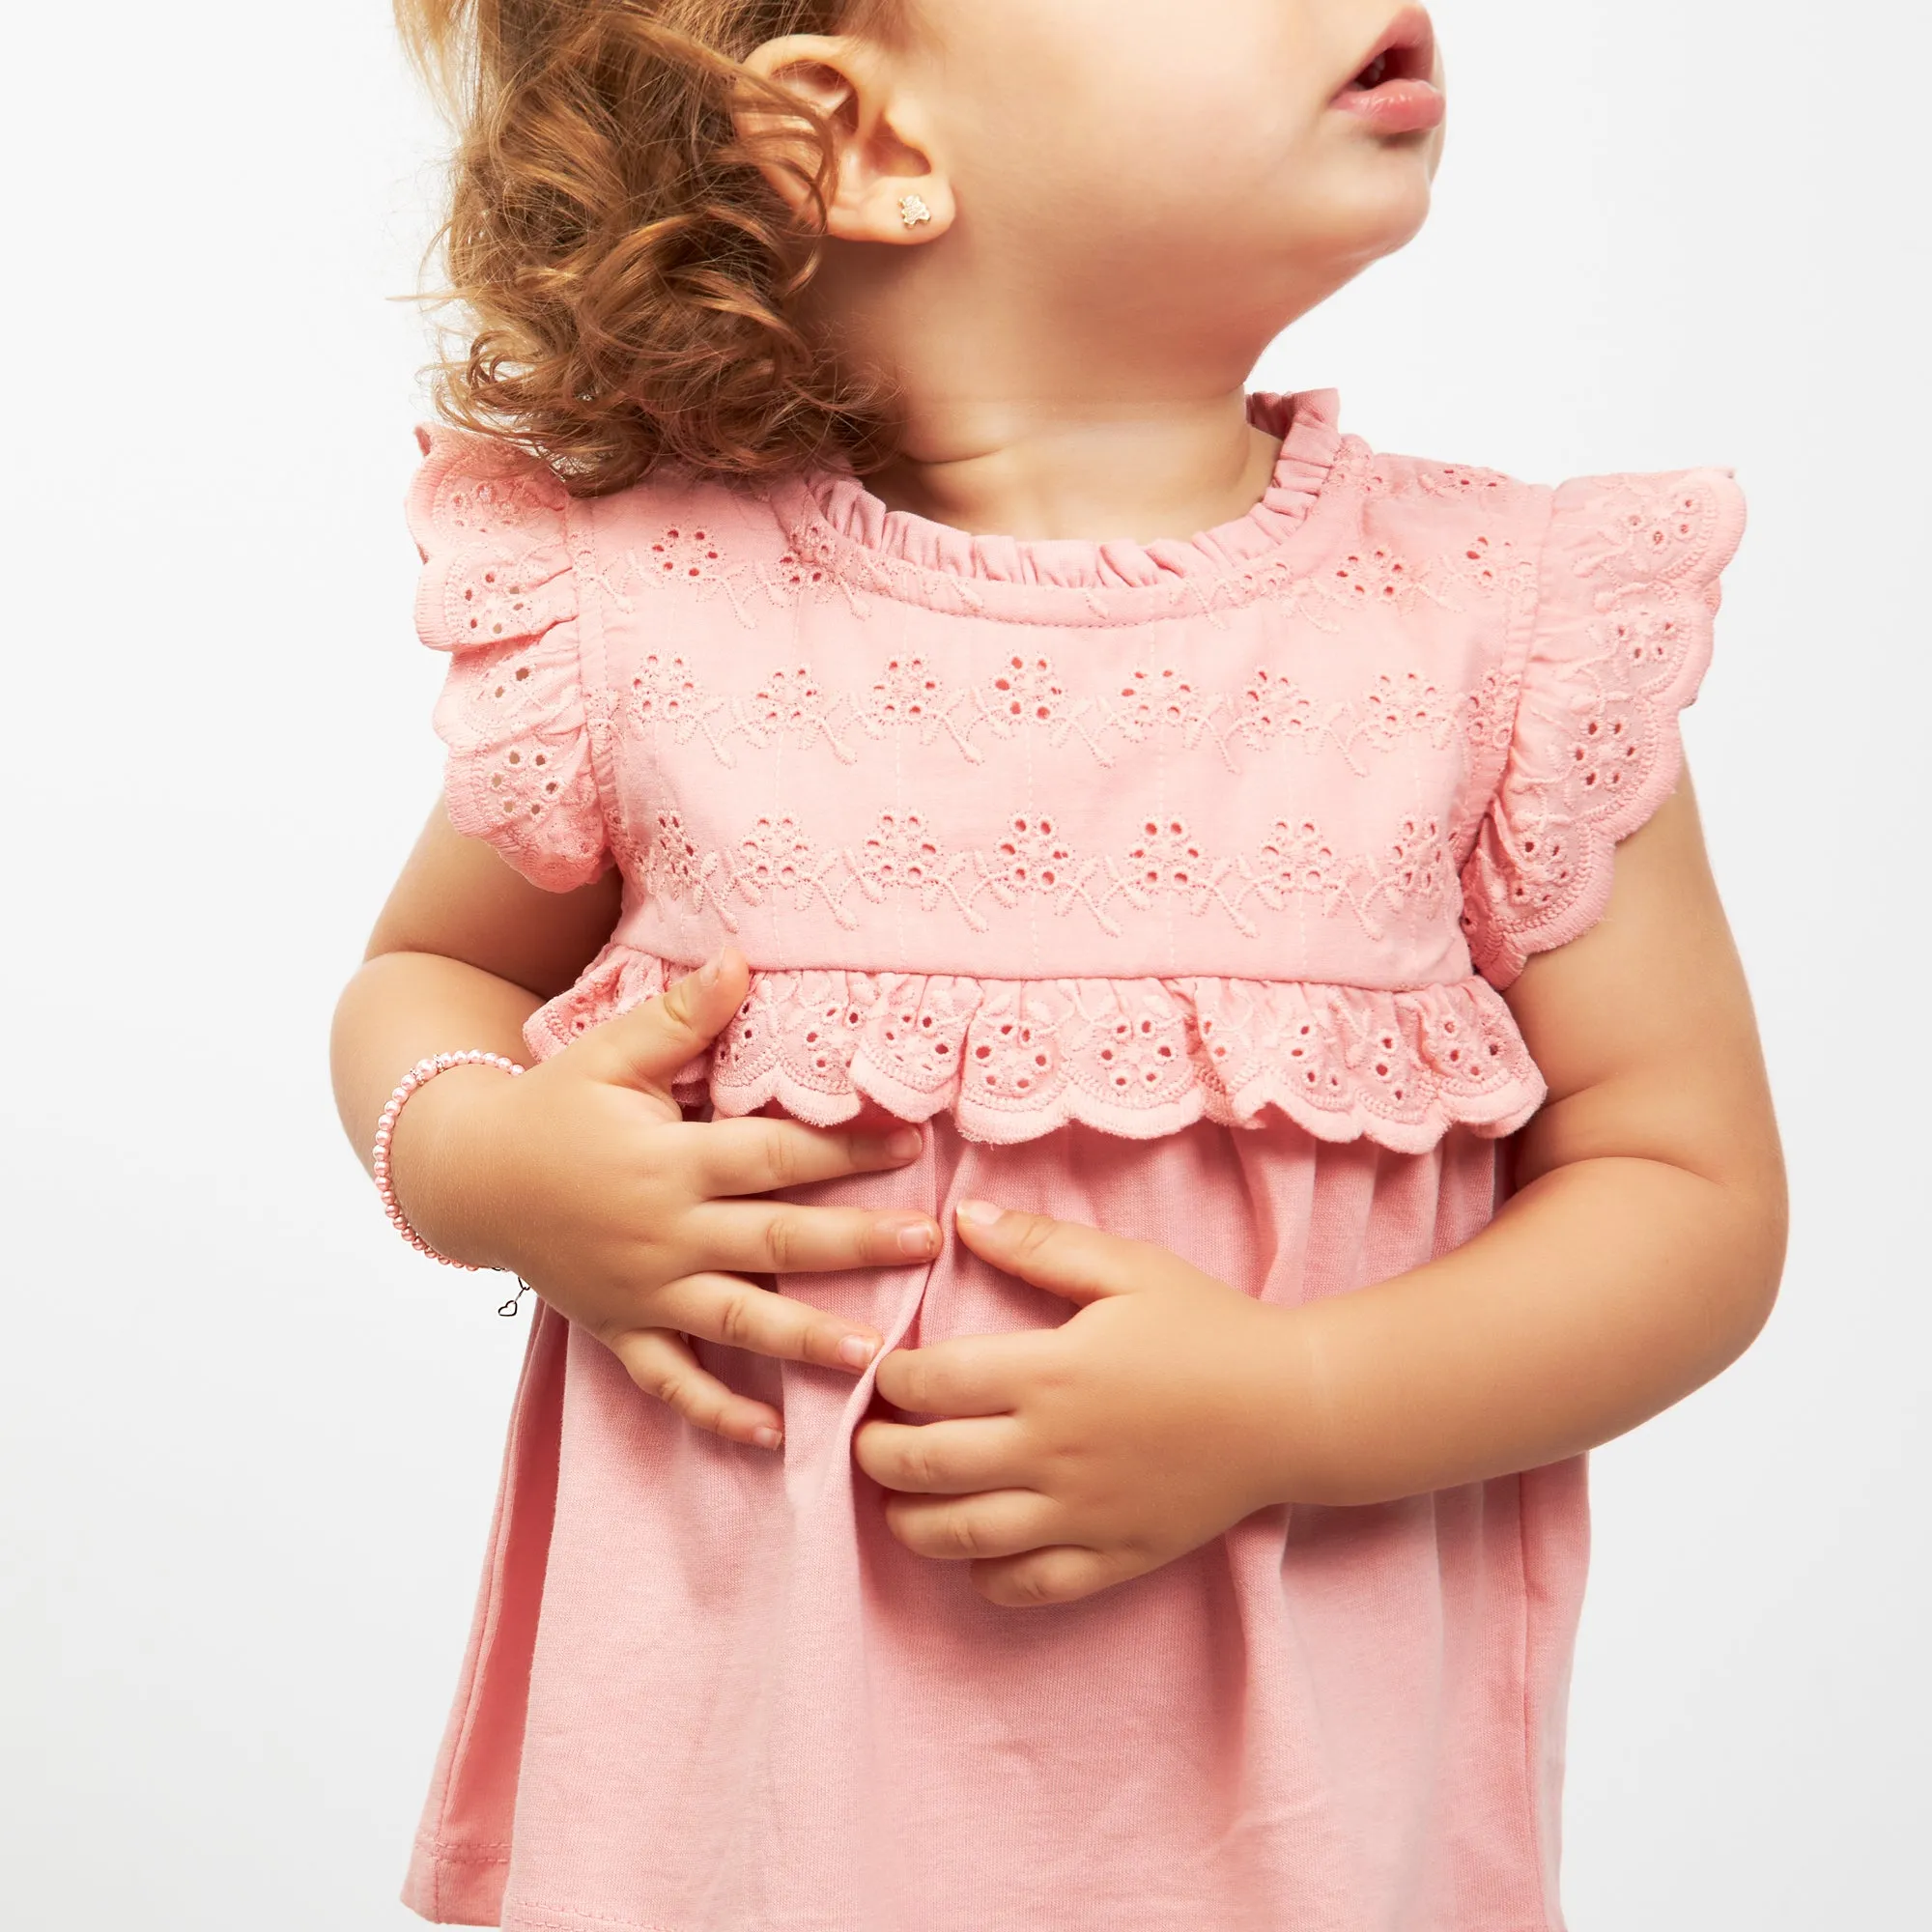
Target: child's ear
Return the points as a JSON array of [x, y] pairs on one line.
[[884, 185]]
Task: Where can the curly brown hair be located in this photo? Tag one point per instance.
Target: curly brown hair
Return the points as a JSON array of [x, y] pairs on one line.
[[628, 280]]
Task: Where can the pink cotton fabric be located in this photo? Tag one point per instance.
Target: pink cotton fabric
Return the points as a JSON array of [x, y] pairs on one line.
[[1173, 885]]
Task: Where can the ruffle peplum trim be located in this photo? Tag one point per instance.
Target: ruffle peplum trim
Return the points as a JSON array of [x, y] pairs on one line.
[[1630, 589], [1012, 1060], [499, 595]]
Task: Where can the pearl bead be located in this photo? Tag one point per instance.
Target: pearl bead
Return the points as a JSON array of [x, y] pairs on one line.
[[419, 1076]]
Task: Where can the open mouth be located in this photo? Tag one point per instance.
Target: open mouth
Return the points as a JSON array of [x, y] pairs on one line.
[[1393, 89], [1395, 64], [1407, 51]]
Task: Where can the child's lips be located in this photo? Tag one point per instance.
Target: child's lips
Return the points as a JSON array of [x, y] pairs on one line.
[[1396, 106], [1393, 89]]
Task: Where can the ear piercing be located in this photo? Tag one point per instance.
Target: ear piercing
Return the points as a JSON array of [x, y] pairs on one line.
[[914, 213]]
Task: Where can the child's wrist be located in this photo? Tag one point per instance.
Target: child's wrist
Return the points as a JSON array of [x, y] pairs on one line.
[[445, 1164], [1358, 1425], [1302, 1456]]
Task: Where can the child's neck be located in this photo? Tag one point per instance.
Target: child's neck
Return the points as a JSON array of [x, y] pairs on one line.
[[1033, 470], [1035, 407]]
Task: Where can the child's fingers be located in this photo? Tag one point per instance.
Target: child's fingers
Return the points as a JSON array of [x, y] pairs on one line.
[[648, 1047], [760, 1156], [968, 1374], [955, 1458], [1062, 1256], [1061, 1574], [962, 1530], [662, 1364], [739, 1314], [777, 1237]]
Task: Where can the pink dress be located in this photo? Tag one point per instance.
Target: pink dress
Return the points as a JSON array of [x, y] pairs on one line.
[[1172, 884]]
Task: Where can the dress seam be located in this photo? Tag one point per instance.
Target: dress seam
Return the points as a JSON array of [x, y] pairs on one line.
[[580, 530], [1525, 618]]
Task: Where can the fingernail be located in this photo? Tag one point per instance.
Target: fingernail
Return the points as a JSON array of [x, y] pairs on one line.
[[855, 1351], [918, 1242], [981, 1213], [711, 968], [768, 1438], [906, 1144]]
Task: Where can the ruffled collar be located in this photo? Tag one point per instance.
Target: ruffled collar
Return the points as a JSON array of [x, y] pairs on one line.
[[839, 521]]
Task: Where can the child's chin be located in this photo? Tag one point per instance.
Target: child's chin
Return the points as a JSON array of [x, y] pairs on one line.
[[1388, 210]]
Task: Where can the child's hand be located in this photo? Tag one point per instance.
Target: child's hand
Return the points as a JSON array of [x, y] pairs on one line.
[[1084, 1454], [585, 1178]]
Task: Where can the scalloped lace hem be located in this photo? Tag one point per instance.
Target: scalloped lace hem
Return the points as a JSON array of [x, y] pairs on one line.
[[1014, 1060]]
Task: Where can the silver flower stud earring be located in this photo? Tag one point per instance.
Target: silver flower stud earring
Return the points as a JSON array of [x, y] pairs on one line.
[[914, 213]]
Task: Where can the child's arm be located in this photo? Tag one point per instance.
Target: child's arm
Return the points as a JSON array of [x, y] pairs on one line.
[[1639, 1258], [1642, 1252], [582, 1174]]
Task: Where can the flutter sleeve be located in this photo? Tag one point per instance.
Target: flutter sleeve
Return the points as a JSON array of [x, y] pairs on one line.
[[1622, 636], [499, 595]]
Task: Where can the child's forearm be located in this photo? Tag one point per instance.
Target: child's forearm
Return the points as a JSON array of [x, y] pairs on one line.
[[1642, 1252], [1604, 1291], [399, 1008]]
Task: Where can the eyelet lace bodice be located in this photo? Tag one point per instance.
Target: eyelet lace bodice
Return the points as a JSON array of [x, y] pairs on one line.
[[1129, 834]]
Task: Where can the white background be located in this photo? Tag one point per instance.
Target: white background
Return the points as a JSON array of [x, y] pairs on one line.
[[250, 1441]]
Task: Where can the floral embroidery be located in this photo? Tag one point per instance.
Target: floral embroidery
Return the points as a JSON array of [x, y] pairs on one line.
[[1415, 871], [692, 557], [1013, 1059], [1027, 694], [1157, 700], [1293, 591], [1022, 694], [678, 870], [1273, 707], [779, 860], [495, 498], [1490, 711], [790, 708], [1575, 742], [1595, 743], [665, 692], [1395, 708], [1169, 861], [909, 697], [695, 562], [901, 857], [1295, 860], [816, 564], [1397, 476], [1031, 860], [498, 592], [1456, 479], [1378, 577], [1490, 567]]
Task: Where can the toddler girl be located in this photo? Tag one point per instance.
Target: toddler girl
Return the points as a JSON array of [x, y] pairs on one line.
[[1053, 898]]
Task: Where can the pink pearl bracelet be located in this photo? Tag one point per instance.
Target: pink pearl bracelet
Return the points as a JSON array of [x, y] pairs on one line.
[[417, 1077]]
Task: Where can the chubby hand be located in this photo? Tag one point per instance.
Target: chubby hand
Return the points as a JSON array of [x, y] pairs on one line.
[[642, 1226], [1065, 1460]]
